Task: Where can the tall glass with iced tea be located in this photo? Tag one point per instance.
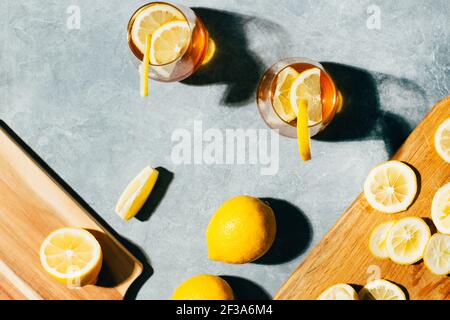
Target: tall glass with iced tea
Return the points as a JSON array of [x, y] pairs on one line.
[[274, 97], [178, 44]]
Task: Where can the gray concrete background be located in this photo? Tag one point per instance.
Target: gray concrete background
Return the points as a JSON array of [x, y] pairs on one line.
[[72, 95]]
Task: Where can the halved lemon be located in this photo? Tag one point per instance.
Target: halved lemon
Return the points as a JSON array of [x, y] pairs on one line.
[[440, 209], [442, 140], [150, 19], [377, 242], [169, 42], [391, 187], [437, 254], [381, 290], [281, 98], [72, 256], [407, 240], [136, 193], [307, 87], [340, 291]]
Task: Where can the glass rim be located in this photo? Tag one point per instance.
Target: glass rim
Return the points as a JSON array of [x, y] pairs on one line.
[[290, 61], [131, 23]]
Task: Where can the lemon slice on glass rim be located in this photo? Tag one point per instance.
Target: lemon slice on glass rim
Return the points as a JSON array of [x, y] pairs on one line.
[[307, 87], [391, 187], [281, 100], [169, 42], [151, 18]]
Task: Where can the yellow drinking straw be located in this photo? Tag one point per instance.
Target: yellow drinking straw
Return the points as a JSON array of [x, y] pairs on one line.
[[303, 130], [145, 63]]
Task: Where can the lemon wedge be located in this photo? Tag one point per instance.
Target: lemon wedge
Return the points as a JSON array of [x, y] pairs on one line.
[[72, 256], [407, 240], [307, 87], [381, 290], [377, 242], [281, 100], [340, 291], [169, 42], [391, 187], [442, 140], [151, 18], [136, 193], [440, 209], [437, 254]]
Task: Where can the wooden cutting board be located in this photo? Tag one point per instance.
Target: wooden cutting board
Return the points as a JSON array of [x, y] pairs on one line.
[[343, 254], [32, 204]]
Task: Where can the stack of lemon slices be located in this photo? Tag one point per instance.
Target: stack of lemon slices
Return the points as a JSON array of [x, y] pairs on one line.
[[392, 187], [379, 289], [298, 97], [409, 240]]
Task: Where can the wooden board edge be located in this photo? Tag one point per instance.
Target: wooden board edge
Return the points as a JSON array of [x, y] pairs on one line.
[[123, 287], [280, 293], [316, 248]]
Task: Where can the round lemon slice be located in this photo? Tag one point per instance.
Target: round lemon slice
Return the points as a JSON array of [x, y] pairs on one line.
[[391, 187], [281, 99], [151, 18], [440, 209], [169, 42], [340, 291], [407, 240], [442, 140], [381, 290], [136, 193], [307, 87], [437, 254], [377, 242], [72, 256]]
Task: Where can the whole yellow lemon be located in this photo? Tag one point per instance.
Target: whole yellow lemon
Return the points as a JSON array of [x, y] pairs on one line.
[[242, 230], [204, 287]]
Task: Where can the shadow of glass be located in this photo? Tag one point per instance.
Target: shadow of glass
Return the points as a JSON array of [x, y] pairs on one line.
[[294, 233], [233, 62], [105, 277], [361, 116], [244, 289], [165, 177]]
